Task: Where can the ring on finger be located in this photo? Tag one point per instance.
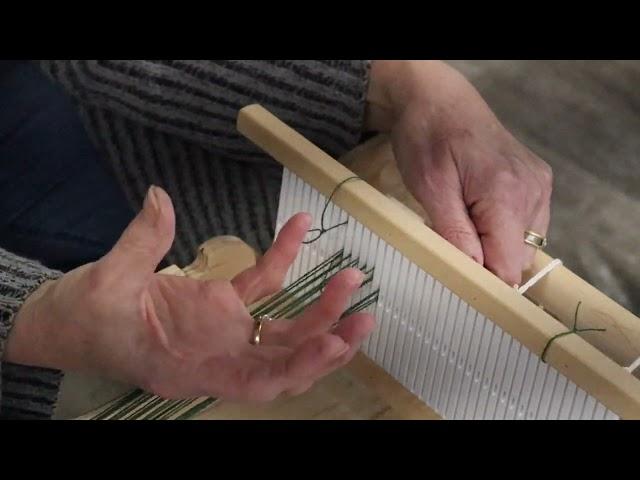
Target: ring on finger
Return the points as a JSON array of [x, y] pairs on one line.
[[535, 239], [257, 328]]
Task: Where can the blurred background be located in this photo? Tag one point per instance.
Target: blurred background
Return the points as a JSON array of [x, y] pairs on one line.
[[583, 118]]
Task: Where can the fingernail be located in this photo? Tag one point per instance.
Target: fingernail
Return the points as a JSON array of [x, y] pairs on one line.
[[152, 200], [357, 278]]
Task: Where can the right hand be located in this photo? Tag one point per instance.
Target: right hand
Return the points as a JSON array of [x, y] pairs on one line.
[[177, 337], [480, 187]]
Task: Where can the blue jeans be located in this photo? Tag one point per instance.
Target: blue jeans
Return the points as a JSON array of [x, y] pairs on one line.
[[59, 202]]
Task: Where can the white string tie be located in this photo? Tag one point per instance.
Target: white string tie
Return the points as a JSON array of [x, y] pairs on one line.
[[540, 275]]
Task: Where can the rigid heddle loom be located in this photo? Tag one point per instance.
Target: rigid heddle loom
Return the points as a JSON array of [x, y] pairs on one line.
[[449, 331]]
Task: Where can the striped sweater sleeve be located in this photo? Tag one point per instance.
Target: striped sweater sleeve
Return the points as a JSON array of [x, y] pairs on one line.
[[25, 392], [199, 100]]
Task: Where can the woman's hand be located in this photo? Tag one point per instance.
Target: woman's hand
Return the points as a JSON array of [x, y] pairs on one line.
[[480, 187], [178, 337]]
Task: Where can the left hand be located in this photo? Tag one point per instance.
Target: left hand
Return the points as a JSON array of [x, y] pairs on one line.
[[178, 337], [480, 187]]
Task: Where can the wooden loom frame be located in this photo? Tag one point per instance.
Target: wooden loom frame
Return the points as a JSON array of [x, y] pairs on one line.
[[574, 357]]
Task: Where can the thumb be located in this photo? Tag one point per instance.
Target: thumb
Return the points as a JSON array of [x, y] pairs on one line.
[[147, 239]]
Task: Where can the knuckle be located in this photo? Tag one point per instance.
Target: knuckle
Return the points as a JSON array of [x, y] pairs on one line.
[[255, 388], [516, 203], [319, 348], [542, 176], [299, 389], [546, 181], [506, 179], [508, 276], [325, 309], [546, 173], [264, 395], [456, 233], [256, 385]]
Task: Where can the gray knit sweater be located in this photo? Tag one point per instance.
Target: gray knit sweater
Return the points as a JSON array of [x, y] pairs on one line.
[[172, 123]]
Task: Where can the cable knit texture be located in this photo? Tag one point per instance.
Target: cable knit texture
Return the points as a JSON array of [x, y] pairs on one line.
[[172, 123]]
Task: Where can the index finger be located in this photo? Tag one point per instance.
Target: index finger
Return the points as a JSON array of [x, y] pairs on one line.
[[502, 238], [267, 276]]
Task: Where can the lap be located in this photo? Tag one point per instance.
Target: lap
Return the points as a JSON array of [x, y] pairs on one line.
[[59, 202]]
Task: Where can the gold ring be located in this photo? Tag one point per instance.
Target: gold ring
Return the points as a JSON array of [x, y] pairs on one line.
[[257, 328], [534, 239]]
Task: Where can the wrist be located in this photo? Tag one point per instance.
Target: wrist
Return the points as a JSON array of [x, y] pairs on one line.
[[27, 343], [379, 107], [394, 85]]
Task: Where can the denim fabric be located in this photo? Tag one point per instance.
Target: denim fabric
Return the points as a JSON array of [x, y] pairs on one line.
[[59, 203]]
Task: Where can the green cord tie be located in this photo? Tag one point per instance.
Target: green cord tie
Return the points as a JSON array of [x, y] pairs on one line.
[[322, 230], [575, 329]]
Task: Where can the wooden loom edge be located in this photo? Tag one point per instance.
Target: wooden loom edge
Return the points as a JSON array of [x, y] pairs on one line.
[[571, 355]]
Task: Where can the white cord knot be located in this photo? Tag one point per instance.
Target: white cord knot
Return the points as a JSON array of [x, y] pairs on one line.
[[634, 366]]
